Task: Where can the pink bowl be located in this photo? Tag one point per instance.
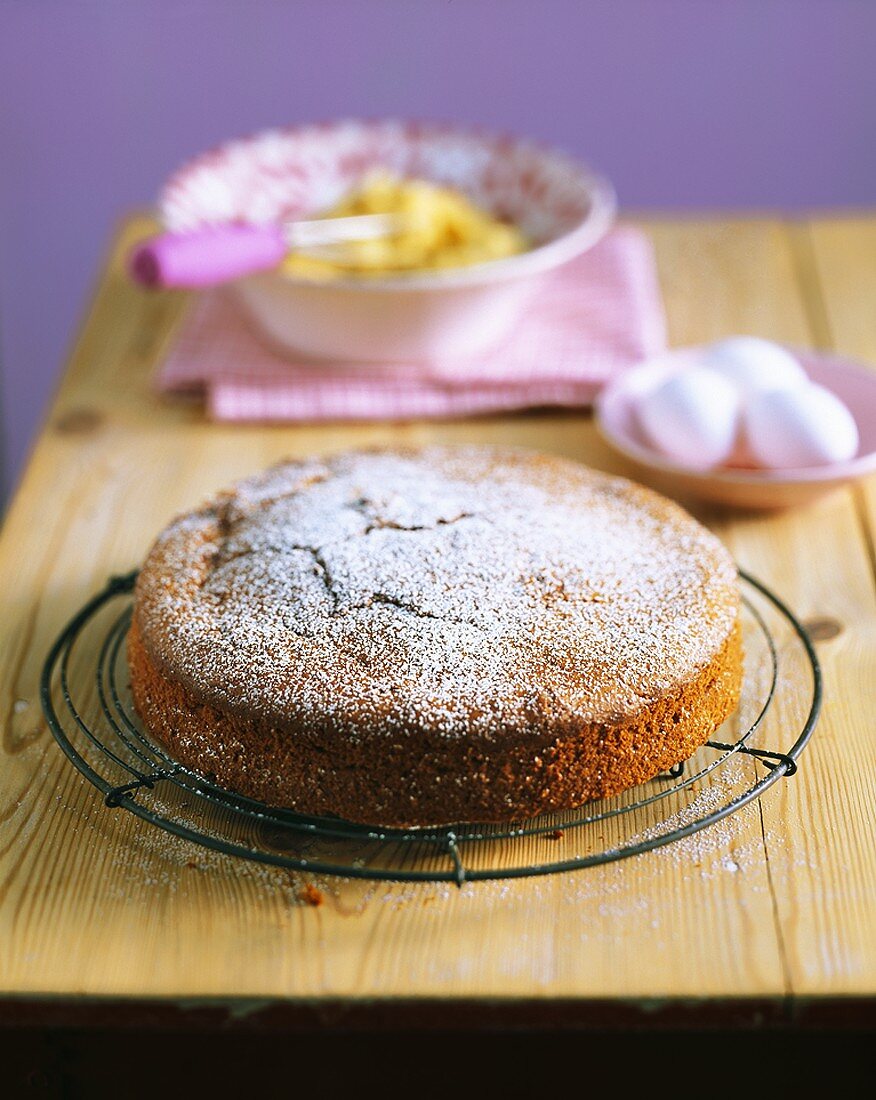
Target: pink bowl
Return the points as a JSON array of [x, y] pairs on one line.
[[616, 419], [561, 205]]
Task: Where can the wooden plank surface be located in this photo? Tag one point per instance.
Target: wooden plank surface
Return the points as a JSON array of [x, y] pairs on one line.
[[773, 903]]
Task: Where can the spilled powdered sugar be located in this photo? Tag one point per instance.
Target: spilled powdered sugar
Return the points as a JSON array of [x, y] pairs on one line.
[[462, 590], [730, 847]]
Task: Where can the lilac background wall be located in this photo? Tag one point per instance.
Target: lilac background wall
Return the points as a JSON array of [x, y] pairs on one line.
[[685, 103]]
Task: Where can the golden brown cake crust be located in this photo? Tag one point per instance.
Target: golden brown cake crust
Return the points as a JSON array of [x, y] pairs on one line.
[[425, 636]]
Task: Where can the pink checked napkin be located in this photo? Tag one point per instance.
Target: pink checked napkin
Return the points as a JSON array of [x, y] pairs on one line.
[[592, 318]]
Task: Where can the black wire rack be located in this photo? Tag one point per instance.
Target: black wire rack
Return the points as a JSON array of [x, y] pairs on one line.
[[86, 701]]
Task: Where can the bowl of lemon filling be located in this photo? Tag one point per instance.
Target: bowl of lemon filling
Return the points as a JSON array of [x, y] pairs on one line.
[[477, 222]]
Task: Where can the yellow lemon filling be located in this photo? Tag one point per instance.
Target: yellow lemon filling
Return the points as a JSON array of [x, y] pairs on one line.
[[439, 228]]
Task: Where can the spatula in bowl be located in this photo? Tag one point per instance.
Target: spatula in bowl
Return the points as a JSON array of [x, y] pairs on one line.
[[222, 253]]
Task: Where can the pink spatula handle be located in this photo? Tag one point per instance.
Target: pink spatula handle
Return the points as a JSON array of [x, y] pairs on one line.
[[207, 257]]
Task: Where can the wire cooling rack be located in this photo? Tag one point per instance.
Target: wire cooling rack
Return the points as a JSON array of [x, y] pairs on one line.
[[87, 703]]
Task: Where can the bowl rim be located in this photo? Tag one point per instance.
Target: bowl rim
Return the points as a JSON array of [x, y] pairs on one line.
[[579, 239], [857, 466]]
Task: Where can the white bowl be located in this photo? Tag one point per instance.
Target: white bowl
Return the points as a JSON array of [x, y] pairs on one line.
[[560, 205]]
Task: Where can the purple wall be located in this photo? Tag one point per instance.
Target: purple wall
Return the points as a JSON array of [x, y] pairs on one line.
[[685, 103]]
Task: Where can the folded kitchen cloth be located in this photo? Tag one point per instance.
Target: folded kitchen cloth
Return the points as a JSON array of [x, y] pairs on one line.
[[590, 319]]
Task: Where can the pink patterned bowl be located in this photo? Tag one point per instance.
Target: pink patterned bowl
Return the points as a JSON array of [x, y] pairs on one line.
[[562, 206], [740, 487]]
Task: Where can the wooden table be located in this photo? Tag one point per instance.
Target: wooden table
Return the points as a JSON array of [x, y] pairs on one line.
[[98, 907]]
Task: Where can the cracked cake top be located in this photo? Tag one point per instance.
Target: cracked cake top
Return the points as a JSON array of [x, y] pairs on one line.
[[470, 591]]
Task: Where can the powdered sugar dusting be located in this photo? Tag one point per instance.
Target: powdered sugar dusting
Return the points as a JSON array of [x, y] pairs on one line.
[[466, 591]]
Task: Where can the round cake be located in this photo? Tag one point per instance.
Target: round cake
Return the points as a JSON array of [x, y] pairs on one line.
[[437, 635]]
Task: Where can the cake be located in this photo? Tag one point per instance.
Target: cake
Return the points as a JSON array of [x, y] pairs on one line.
[[426, 636]]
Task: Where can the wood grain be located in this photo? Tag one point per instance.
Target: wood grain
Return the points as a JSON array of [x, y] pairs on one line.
[[95, 902]]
